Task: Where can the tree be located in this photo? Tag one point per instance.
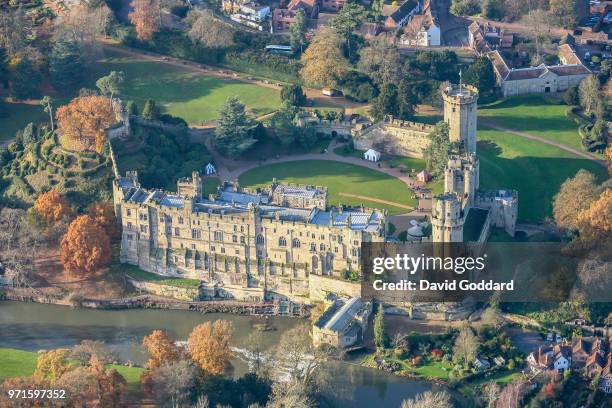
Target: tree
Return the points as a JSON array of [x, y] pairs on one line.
[[294, 394], [598, 216], [150, 110], [406, 100], [283, 123], [297, 32], [209, 31], [439, 149], [490, 393], [564, 12], [84, 25], [65, 64], [51, 365], [85, 120], [132, 108], [323, 62], [512, 395], [26, 79], [465, 7], [481, 75], [85, 248], [296, 355], [103, 213], [571, 96], [429, 399], [111, 85], [493, 9], [52, 207], [107, 384], [145, 18], [293, 94], [538, 25], [161, 349], [466, 346], [209, 347], [47, 103], [346, 21], [566, 205], [233, 135], [381, 61], [4, 68], [175, 382], [86, 349], [29, 134], [381, 337], [589, 94], [597, 138], [385, 103], [492, 317]]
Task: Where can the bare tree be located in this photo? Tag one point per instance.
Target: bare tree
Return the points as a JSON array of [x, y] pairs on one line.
[[15, 27], [512, 395], [209, 31], [429, 399], [296, 355], [492, 317], [294, 394], [539, 26], [84, 24], [490, 393], [466, 345], [174, 382]]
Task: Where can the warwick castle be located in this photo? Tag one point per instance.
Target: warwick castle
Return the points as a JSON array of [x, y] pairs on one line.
[[284, 241]]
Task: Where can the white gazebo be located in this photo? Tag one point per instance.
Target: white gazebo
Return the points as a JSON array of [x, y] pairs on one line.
[[372, 155], [210, 169]]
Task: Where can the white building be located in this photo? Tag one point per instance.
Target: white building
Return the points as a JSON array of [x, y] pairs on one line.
[[371, 155], [422, 31], [210, 169]]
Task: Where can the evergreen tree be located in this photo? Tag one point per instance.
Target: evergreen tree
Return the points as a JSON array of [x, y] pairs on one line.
[[26, 80], [65, 64], [29, 134], [293, 94], [406, 100], [132, 108], [571, 96], [4, 72], [111, 84], [150, 110], [297, 31], [439, 149], [481, 75], [385, 103], [381, 337], [233, 135], [346, 21]]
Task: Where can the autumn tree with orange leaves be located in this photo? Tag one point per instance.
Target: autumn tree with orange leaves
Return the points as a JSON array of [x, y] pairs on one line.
[[52, 207], [145, 18], [85, 248], [161, 349], [104, 214], [209, 345], [84, 120]]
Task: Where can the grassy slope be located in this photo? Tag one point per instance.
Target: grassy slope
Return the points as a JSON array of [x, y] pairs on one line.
[[20, 363], [193, 96], [534, 169], [537, 115], [338, 177], [18, 116]]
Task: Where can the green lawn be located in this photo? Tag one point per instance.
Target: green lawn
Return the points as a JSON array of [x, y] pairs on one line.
[[16, 363], [192, 96], [18, 115], [537, 115], [433, 369], [535, 169], [337, 177], [138, 274], [20, 363]]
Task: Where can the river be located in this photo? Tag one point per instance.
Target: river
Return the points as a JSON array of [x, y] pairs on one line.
[[34, 326]]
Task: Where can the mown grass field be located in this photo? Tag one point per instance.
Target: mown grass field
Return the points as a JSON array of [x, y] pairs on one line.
[[21, 363], [192, 96], [18, 115], [537, 115], [535, 169], [338, 178]]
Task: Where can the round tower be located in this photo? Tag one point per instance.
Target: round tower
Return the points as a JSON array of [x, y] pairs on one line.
[[460, 110], [446, 219]]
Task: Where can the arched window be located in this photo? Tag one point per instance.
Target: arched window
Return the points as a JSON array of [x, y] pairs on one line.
[[295, 243], [282, 241], [260, 239], [313, 247], [322, 247]]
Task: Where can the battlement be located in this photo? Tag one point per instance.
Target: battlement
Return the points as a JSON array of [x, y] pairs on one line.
[[460, 93]]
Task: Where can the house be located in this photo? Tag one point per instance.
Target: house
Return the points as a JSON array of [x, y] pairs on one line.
[[332, 5], [421, 31], [581, 349], [557, 358], [539, 79], [481, 363], [252, 15], [595, 364], [499, 361], [342, 324], [282, 19], [423, 176], [232, 6], [402, 14], [371, 155], [310, 7], [568, 56], [605, 379], [562, 357]]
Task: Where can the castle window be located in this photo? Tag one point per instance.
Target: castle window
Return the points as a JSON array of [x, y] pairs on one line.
[[355, 252], [312, 236], [237, 252], [180, 220], [212, 249], [129, 225], [177, 232], [242, 240], [282, 241], [169, 230], [143, 228], [128, 212], [295, 243], [336, 249], [333, 237], [260, 239], [242, 228], [235, 228], [339, 239], [196, 234], [130, 237], [193, 247], [222, 250], [355, 242], [322, 247], [234, 238], [313, 247], [218, 236]]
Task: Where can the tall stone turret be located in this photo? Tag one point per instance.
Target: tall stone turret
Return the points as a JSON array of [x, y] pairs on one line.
[[461, 177], [460, 112], [447, 219]]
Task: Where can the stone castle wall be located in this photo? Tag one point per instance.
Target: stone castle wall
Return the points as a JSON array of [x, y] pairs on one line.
[[395, 137]]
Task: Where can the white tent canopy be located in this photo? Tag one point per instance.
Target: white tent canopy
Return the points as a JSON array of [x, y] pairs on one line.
[[372, 155], [210, 169]]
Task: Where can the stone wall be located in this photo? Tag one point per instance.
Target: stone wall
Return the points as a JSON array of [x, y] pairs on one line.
[[175, 292], [320, 286], [395, 137]]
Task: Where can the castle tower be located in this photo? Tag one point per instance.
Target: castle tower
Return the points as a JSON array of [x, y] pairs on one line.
[[190, 187], [447, 219], [460, 114], [461, 177]]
